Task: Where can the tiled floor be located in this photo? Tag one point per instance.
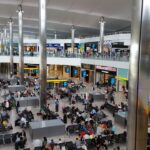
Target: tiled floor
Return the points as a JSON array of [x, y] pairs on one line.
[[119, 97]]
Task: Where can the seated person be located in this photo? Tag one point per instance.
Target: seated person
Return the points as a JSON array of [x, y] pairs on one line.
[[23, 122], [4, 115], [21, 143], [93, 112], [78, 143]]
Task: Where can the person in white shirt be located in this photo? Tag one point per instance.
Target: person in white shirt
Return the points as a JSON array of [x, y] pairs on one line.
[[7, 105], [23, 122], [93, 111]]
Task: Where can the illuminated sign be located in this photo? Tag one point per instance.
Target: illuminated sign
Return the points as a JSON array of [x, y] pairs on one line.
[[106, 68]]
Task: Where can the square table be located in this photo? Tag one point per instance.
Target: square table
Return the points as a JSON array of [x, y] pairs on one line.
[[46, 128], [97, 96], [121, 118], [28, 101], [16, 88]]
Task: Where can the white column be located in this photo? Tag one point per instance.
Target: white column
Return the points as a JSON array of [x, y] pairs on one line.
[[55, 36], [5, 40], [139, 75], [72, 38], [21, 50], [10, 46], [42, 51], [101, 42]]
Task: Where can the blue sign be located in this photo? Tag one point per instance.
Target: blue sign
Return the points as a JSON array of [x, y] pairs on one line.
[[93, 46], [84, 74], [51, 45], [113, 81], [75, 71], [78, 46], [65, 84], [67, 69]]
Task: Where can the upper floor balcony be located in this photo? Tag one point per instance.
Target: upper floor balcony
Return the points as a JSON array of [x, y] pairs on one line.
[[118, 60]]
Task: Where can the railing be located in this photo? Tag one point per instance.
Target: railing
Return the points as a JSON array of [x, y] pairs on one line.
[[105, 56]]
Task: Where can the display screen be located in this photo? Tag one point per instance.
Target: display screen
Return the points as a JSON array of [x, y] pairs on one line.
[[93, 46], [65, 84], [75, 71], [84, 74], [67, 69], [113, 81]]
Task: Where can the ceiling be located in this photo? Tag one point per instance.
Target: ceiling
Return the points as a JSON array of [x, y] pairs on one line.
[[62, 14]]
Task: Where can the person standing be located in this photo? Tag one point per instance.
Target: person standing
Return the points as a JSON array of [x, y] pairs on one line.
[[44, 143], [65, 118], [17, 106], [60, 144], [57, 105]]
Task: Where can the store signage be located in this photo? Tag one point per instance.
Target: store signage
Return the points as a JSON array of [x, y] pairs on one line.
[[106, 68], [30, 44], [56, 45], [75, 45], [88, 67]]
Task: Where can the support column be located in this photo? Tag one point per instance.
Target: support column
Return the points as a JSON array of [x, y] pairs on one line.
[[10, 46], [42, 51], [5, 40], [72, 38], [139, 77], [21, 50], [101, 42], [1, 36], [55, 36]]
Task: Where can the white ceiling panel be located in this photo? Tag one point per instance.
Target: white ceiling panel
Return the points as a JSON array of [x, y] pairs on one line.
[[62, 14]]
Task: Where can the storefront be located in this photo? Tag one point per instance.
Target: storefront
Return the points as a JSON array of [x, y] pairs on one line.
[[68, 47], [91, 48], [106, 75], [53, 48], [66, 72], [30, 49], [55, 71], [15, 49], [31, 71], [88, 73], [122, 79], [63, 72], [75, 72], [82, 48]]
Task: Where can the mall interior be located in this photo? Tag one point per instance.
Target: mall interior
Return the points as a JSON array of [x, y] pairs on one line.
[[74, 74]]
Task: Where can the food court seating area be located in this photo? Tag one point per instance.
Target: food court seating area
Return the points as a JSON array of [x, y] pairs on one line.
[[82, 117]]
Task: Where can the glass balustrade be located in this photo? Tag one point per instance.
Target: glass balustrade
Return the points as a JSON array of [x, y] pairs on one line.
[[97, 56]]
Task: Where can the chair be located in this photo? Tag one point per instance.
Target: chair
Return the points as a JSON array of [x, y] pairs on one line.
[[7, 138], [116, 138], [69, 145], [13, 136], [1, 139], [38, 148], [148, 141], [89, 144]]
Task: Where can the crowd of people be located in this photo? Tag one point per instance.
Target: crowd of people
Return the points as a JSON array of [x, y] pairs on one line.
[[24, 117], [20, 140], [90, 124]]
